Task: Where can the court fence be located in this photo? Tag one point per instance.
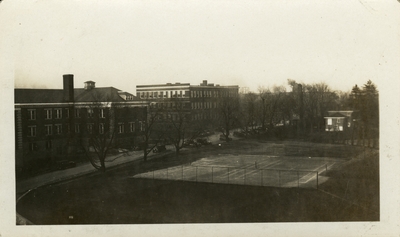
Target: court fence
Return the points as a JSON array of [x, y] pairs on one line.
[[239, 176]]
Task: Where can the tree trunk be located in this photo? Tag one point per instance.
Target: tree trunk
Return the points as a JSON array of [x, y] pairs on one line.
[[103, 165]]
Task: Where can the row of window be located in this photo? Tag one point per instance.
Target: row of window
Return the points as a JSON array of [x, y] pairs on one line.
[[204, 105], [161, 94], [58, 113], [181, 94], [58, 128]]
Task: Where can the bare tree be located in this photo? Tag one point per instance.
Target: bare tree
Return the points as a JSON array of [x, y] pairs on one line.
[[270, 104], [228, 114], [99, 133], [248, 110], [178, 125]]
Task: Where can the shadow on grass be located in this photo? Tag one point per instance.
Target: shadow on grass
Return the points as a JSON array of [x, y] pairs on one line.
[[113, 198]]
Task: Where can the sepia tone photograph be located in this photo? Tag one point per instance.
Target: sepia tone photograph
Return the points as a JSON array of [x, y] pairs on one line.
[[201, 118]]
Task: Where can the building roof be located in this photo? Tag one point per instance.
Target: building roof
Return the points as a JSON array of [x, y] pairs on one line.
[[38, 96], [336, 115], [100, 94]]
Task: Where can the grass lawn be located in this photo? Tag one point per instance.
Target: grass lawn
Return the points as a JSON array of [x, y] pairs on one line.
[[352, 194]]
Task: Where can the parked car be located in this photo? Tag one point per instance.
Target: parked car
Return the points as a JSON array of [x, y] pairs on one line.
[[64, 164], [223, 138], [203, 141], [160, 148]]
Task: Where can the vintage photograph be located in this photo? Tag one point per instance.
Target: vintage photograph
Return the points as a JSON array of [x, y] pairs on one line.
[[200, 113]]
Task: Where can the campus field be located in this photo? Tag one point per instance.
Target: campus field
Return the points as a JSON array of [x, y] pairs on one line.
[[347, 190]]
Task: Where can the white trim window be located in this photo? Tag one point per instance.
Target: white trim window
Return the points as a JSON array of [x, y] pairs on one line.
[[77, 113], [89, 127], [31, 131], [132, 126], [48, 113], [32, 146], [58, 113], [329, 121], [58, 128], [101, 128], [49, 129], [77, 128], [32, 114], [121, 128], [101, 113], [90, 112], [67, 112]]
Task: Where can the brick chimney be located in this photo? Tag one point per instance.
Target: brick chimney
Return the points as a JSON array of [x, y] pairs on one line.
[[68, 89]]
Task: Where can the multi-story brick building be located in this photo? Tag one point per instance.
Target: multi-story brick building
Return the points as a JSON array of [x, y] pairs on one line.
[[200, 102], [52, 124]]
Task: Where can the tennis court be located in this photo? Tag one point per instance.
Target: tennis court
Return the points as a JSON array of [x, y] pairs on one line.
[[258, 170]]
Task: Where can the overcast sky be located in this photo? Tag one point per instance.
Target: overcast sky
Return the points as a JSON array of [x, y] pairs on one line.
[[246, 43]]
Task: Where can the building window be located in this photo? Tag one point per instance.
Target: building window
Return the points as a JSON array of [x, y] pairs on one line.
[[32, 114], [141, 127], [90, 112], [58, 113], [101, 128], [48, 145], [77, 113], [132, 126], [32, 146], [32, 131], [90, 128], [77, 128], [121, 128], [49, 129], [48, 113], [101, 113], [329, 121], [67, 113], [58, 128], [68, 128]]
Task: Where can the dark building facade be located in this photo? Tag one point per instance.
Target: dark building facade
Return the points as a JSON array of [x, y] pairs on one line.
[[201, 103], [54, 124]]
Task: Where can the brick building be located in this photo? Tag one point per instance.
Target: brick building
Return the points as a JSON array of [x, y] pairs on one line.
[[54, 124], [200, 103]]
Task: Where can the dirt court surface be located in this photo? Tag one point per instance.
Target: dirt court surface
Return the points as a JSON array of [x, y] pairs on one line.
[[350, 192]]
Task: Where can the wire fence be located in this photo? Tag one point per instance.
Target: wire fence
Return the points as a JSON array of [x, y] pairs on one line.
[[238, 176]]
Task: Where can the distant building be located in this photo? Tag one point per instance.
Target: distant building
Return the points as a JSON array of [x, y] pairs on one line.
[[50, 122], [200, 102], [340, 120]]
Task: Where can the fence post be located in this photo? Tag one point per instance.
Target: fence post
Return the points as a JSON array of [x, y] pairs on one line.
[[167, 173], [279, 178], [317, 179], [182, 172], [196, 174], [153, 174], [244, 177], [262, 177], [212, 174], [326, 167], [298, 180], [228, 175]]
